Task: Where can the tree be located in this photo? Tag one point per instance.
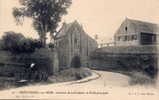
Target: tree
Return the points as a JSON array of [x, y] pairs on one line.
[[46, 15]]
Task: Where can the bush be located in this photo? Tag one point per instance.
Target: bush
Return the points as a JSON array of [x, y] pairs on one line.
[[17, 43], [43, 60], [139, 78], [37, 44], [26, 45], [10, 40], [51, 45]]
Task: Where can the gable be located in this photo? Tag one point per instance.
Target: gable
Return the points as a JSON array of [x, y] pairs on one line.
[[126, 27], [62, 32], [68, 29]]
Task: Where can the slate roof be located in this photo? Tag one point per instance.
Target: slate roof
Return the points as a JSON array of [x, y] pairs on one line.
[[144, 26], [140, 26]]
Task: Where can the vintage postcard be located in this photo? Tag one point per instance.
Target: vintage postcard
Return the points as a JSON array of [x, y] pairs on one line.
[[79, 49]]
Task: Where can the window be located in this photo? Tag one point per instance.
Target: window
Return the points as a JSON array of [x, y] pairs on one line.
[[129, 38], [118, 38], [125, 38], [153, 38], [147, 38], [134, 37]]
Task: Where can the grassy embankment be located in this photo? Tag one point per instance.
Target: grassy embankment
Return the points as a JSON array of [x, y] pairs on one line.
[[137, 62]]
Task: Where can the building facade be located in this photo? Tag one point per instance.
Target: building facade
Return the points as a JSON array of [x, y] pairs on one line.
[[73, 41], [134, 32]]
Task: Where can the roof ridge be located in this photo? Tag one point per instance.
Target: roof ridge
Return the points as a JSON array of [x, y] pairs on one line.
[[141, 21]]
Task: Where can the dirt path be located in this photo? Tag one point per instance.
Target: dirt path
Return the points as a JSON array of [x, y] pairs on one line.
[[100, 85]]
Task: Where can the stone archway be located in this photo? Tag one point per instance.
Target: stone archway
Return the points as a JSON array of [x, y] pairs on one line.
[[76, 62]]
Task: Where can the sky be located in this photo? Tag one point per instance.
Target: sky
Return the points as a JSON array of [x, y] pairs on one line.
[[101, 17]]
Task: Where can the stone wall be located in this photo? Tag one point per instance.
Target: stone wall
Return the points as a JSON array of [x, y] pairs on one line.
[[128, 60]]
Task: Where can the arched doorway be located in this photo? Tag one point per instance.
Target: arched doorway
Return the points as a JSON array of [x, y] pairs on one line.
[[76, 62]]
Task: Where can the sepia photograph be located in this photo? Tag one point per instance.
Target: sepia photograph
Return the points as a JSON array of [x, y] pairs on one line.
[[79, 49]]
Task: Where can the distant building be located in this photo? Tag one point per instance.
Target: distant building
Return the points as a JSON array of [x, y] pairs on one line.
[[134, 32], [73, 41]]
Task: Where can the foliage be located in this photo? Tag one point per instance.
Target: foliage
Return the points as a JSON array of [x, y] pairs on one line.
[[51, 45], [146, 63], [140, 78], [11, 40], [17, 43], [46, 15], [43, 60]]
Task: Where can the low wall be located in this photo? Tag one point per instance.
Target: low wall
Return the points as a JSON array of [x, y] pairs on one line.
[[126, 59]]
